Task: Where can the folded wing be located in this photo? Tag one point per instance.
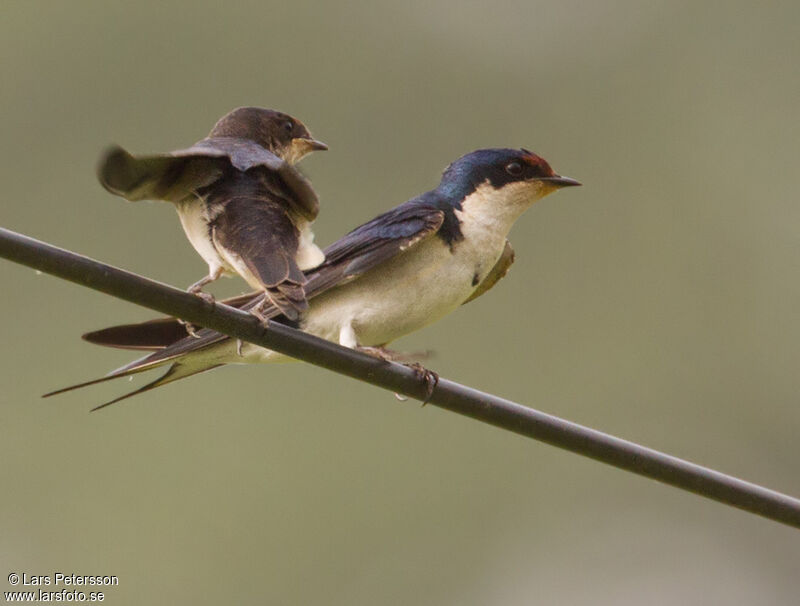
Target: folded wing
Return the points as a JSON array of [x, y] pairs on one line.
[[260, 240]]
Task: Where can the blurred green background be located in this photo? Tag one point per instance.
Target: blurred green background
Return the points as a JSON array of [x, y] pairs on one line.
[[658, 303]]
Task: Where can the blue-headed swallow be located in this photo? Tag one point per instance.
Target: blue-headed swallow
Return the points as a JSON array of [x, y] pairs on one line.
[[389, 277]]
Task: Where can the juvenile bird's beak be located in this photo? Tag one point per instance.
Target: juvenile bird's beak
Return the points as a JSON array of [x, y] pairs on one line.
[[309, 144], [301, 146], [560, 181], [314, 145]]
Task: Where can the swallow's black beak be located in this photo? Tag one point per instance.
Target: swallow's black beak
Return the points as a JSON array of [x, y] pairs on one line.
[[560, 181]]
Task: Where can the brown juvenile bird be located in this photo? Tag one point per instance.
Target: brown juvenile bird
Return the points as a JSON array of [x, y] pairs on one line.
[[243, 205]]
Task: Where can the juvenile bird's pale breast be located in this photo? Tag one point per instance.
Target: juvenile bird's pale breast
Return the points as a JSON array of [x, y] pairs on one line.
[[192, 214], [309, 254]]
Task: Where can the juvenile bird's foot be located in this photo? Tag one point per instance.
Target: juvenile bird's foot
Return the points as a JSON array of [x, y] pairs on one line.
[[257, 311], [407, 359], [197, 290], [207, 297], [197, 287], [191, 329]]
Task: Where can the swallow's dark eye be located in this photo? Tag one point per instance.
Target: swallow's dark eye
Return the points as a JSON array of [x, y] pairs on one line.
[[514, 169], [288, 126]]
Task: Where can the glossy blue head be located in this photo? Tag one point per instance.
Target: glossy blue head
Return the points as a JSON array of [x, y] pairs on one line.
[[497, 167]]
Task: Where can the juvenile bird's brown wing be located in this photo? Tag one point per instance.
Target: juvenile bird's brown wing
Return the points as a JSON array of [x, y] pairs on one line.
[[157, 177], [176, 176]]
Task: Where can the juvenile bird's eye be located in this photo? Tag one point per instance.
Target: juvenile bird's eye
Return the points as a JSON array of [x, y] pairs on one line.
[[514, 169], [288, 126]]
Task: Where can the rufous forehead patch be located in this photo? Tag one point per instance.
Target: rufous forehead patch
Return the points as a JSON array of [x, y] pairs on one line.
[[538, 163]]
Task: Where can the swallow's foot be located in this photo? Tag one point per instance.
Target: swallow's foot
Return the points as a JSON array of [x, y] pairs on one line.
[[256, 311], [377, 352], [207, 297], [197, 291], [191, 329], [197, 287], [407, 359], [431, 379]]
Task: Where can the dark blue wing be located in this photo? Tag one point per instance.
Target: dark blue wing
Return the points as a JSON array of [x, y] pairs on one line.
[[375, 242]]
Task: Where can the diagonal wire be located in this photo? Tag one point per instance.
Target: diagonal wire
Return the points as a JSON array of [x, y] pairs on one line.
[[401, 379]]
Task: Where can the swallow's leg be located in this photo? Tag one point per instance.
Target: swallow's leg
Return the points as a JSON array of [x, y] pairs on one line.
[[190, 328], [197, 287], [261, 317], [206, 296], [409, 358], [377, 352], [348, 338], [431, 378], [258, 311]]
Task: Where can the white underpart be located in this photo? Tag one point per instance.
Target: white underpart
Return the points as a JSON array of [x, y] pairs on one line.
[[347, 336], [421, 286], [194, 220], [308, 254]]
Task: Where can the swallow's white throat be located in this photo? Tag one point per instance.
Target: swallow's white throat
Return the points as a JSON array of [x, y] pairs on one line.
[[490, 213]]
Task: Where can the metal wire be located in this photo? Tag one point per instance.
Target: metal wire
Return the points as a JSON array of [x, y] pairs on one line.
[[401, 379]]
